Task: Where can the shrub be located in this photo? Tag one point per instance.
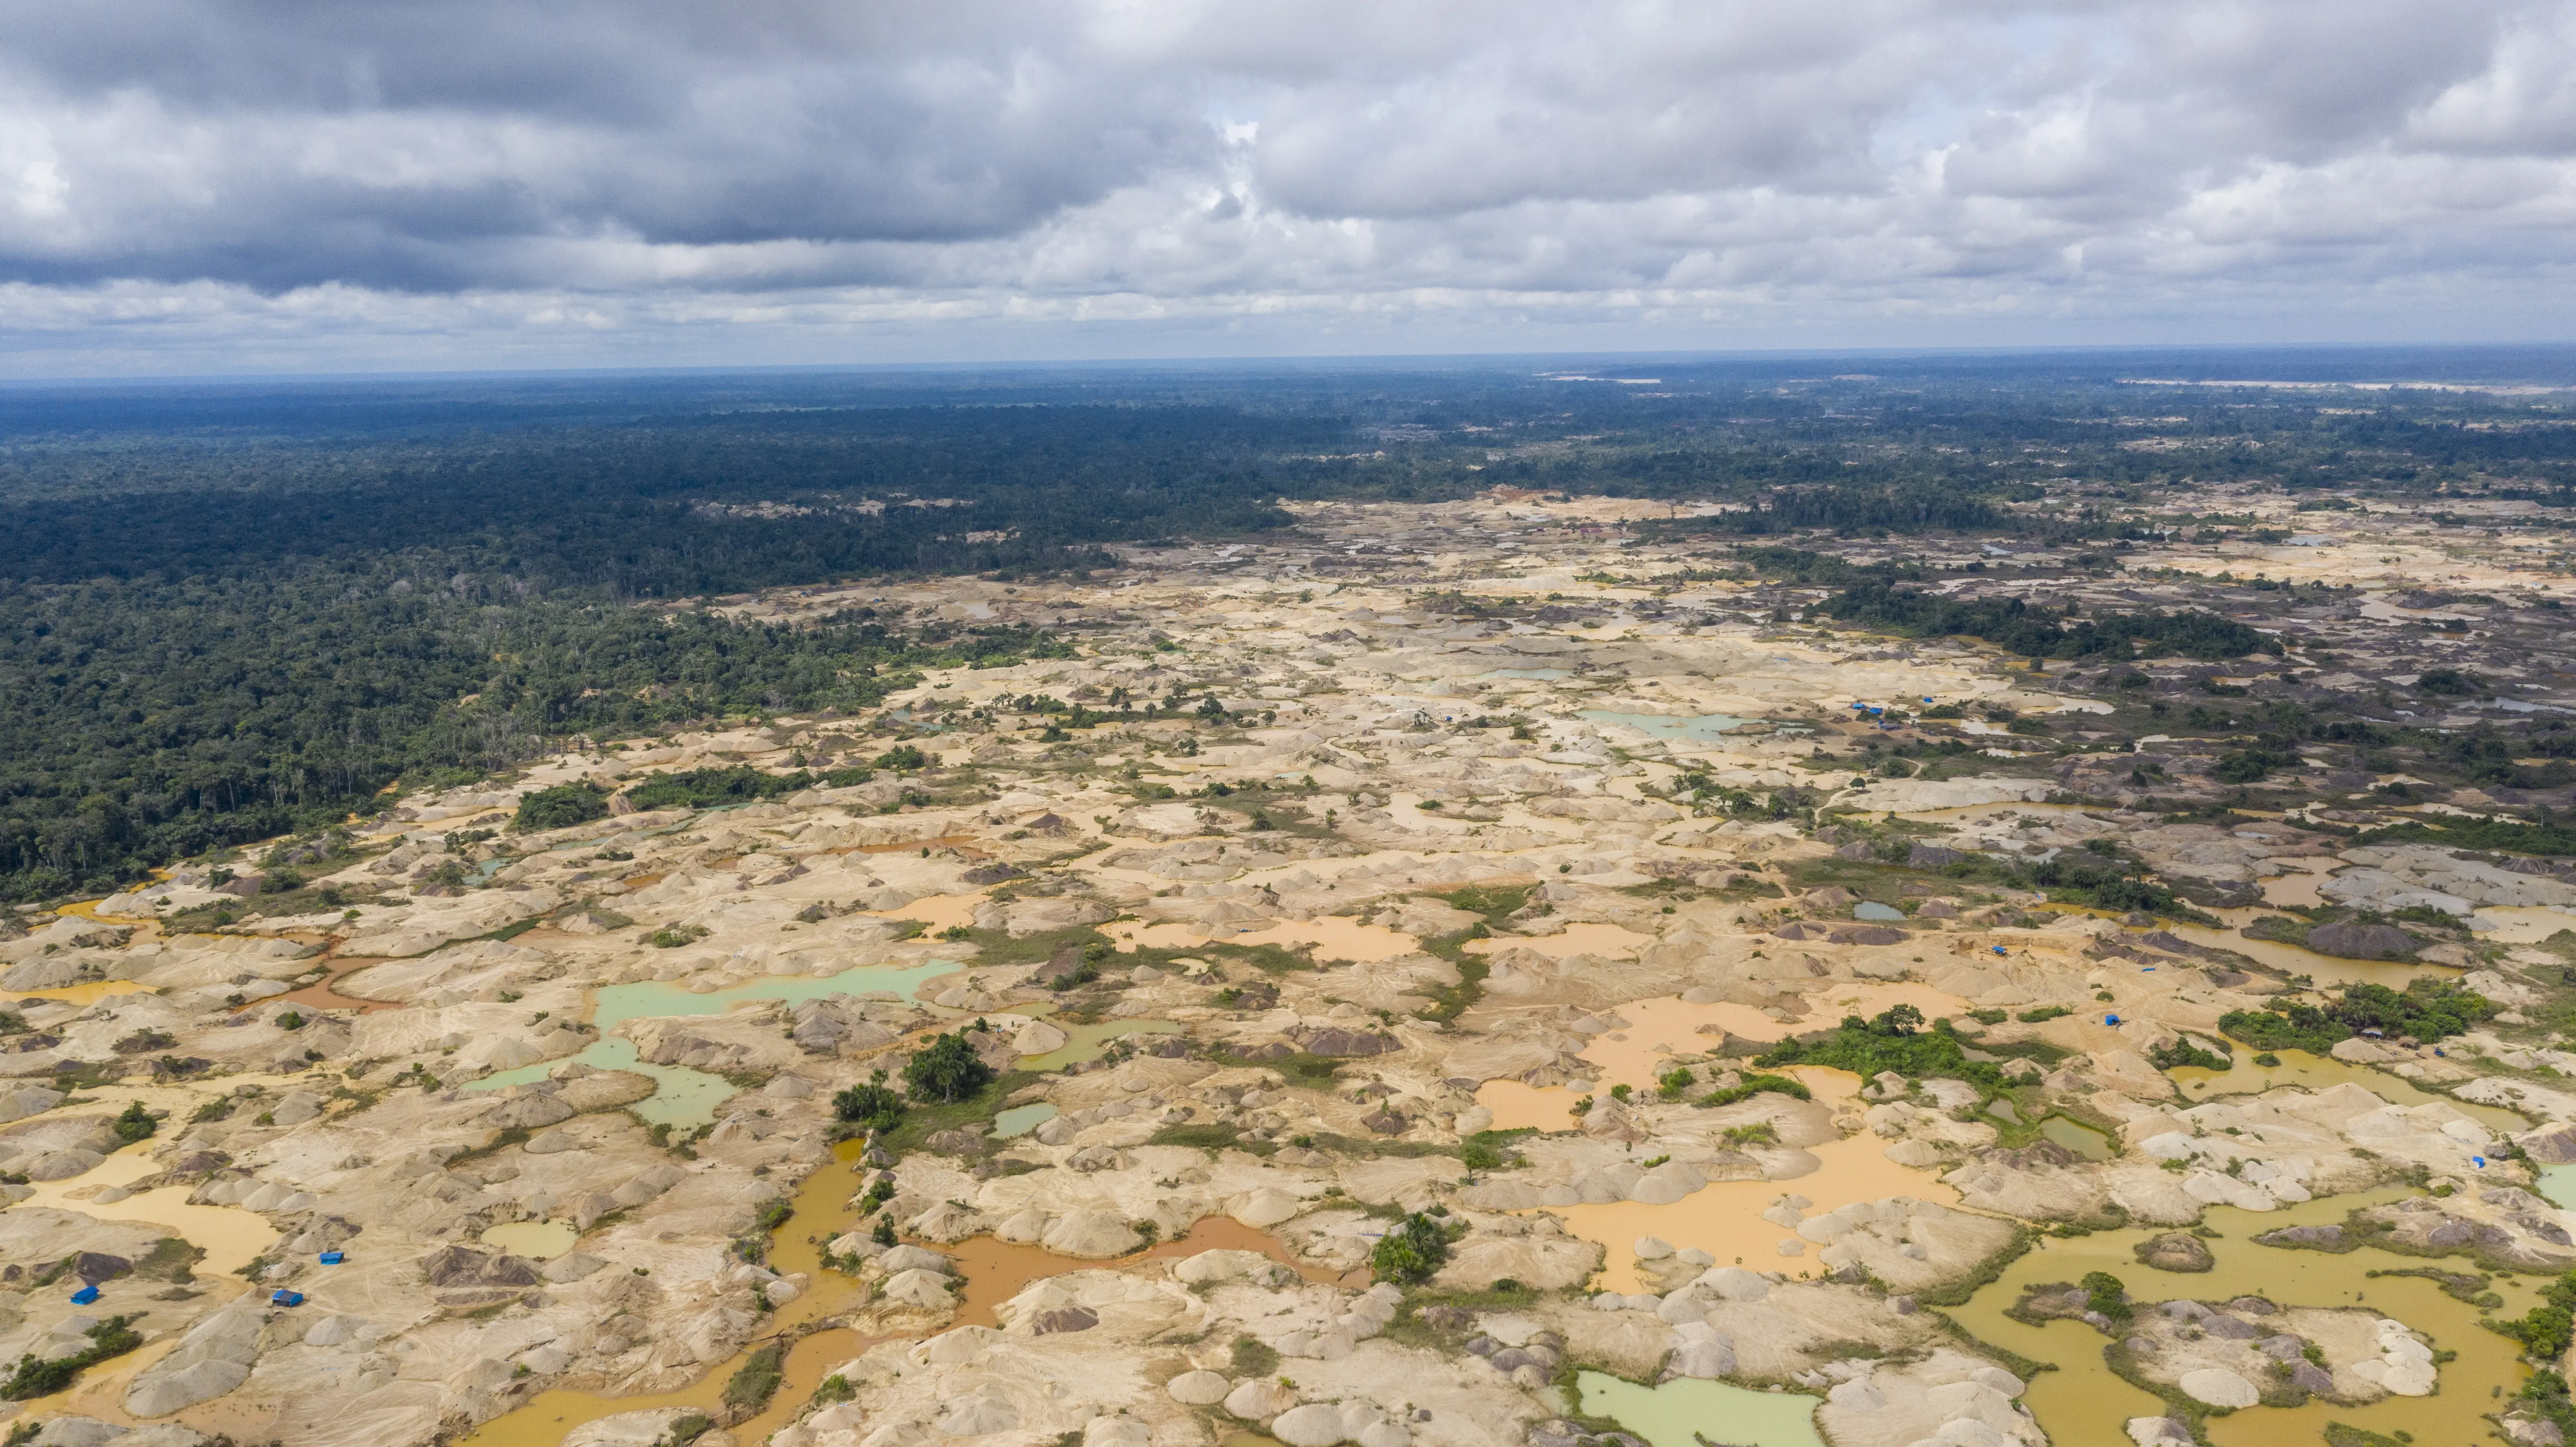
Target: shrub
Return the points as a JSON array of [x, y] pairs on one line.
[[561, 806], [1754, 1085], [707, 788], [2104, 1293], [134, 1125], [1417, 1247]]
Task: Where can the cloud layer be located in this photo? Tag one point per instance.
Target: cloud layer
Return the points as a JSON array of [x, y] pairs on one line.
[[460, 180]]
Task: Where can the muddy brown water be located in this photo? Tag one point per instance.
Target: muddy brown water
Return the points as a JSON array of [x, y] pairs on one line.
[[992, 1271], [2324, 1072], [2082, 1403]]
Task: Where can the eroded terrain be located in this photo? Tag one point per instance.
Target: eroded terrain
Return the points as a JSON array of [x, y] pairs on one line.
[[1805, 1018]]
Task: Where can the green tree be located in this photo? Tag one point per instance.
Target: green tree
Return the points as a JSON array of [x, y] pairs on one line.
[[2106, 1294], [561, 807], [871, 1105], [134, 1125], [946, 1068], [1410, 1253]]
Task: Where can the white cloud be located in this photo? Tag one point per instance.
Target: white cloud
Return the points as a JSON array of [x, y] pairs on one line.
[[464, 181]]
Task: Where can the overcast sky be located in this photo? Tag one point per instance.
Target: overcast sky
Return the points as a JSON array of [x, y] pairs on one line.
[[195, 186]]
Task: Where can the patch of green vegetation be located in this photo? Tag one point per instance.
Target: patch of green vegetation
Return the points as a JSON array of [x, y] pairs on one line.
[[2344, 1434], [871, 1106], [2106, 1294], [1753, 1084], [924, 1119], [2458, 1285], [39, 1377], [947, 1068], [1253, 1357], [2507, 835], [1211, 1136], [1448, 1002], [686, 1428], [758, 1380], [1490, 1150], [134, 1124], [2546, 1330], [1891, 1040], [2043, 1013], [1414, 1249], [561, 807], [2172, 1054], [2427, 1009], [713, 788]]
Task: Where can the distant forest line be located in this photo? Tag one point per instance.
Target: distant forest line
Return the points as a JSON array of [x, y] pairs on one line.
[[229, 612]]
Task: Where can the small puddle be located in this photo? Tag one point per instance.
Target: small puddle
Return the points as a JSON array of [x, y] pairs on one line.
[[2084, 1140], [1701, 728], [1087, 1042], [1689, 1413], [2322, 1072], [2083, 1404], [1873, 910], [1021, 1119], [542, 1240]]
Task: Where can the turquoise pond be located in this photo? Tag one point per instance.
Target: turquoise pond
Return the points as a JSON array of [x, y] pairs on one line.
[[1702, 728], [681, 1097], [2558, 1185], [1021, 1119], [1686, 1412], [685, 1097], [1872, 909], [644, 999]]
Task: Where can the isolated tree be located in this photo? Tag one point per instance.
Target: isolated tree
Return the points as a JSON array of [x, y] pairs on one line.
[[947, 1069]]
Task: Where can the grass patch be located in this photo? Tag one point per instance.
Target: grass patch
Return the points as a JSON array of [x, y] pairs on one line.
[[1211, 1137], [922, 1120], [750, 1387]]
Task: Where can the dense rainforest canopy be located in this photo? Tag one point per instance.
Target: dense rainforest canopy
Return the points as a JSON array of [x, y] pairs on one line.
[[232, 610]]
